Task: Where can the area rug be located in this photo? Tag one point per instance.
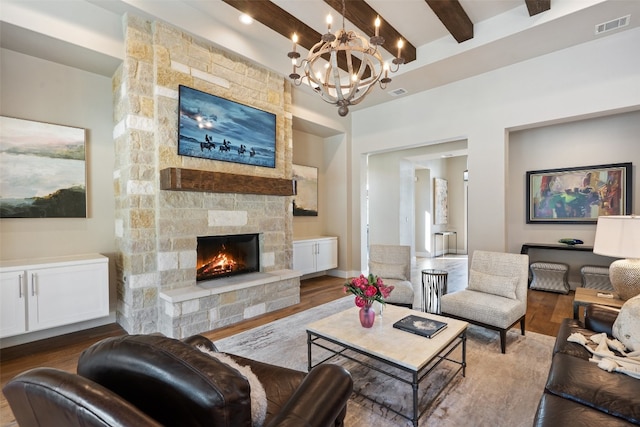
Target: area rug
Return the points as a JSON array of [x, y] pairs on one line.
[[498, 389]]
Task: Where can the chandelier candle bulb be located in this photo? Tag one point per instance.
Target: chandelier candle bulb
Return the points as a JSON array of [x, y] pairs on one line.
[[400, 44], [294, 38], [339, 83]]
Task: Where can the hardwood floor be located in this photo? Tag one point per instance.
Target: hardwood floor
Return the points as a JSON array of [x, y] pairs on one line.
[[544, 313]]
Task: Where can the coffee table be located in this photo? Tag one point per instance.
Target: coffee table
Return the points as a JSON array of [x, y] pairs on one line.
[[586, 296], [401, 352]]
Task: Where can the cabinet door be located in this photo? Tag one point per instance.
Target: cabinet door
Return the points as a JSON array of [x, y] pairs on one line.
[[63, 295], [13, 303], [304, 257], [327, 254]]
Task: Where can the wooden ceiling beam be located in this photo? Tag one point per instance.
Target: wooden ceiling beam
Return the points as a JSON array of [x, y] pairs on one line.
[[282, 22], [454, 18], [537, 6], [278, 19], [363, 17]]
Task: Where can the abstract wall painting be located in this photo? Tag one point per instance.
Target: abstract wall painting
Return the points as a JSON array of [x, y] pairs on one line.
[[578, 194], [305, 201], [441, 201], [43, 170]]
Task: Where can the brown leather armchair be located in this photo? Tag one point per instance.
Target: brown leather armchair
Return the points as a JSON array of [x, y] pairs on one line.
[[156, 380], [45, 397]]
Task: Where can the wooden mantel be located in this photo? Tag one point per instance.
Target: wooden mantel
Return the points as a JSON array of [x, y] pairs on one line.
[[178, 179]]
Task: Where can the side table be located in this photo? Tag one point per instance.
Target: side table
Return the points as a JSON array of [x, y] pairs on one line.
[[586, 296], [434, 285]]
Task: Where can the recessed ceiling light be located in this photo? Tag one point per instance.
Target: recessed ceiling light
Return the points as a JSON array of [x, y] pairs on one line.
[[246, 19]]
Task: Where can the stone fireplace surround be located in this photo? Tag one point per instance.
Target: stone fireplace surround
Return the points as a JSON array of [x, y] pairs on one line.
[[157, 226]]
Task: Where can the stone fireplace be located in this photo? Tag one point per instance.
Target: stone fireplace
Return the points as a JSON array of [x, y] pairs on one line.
[[158, 225]]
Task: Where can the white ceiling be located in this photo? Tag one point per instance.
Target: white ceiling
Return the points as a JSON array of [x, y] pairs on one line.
[[87, 34]]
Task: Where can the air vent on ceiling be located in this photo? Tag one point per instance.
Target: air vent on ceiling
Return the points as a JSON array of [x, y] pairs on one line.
[[613, 24], [397, 92]]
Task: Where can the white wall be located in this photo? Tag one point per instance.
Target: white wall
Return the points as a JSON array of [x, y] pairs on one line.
[[423, 213], [329, 155], [39, 90], [610, 139], [308, 150], [455, 185], [595, 78]]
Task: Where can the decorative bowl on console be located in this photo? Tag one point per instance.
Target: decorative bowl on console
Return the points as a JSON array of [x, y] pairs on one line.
[[571, 242]]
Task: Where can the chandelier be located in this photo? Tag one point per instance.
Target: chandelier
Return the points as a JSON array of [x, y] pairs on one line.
[[361, 58]]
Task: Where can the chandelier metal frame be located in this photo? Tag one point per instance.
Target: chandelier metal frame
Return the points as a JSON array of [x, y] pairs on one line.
[[335, 85]]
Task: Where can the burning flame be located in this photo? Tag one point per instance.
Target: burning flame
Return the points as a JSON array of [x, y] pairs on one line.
[[219, 264]]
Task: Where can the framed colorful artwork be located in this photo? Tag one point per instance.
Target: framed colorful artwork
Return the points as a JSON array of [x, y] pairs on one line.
[[578, 194]]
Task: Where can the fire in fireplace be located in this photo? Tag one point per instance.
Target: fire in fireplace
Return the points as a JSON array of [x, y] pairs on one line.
[[223, 256]]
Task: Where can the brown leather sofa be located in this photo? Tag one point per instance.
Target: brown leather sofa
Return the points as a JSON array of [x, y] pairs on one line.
[[577, 392], [152, 380]]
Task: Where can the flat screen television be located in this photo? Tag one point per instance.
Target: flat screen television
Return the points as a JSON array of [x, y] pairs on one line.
[[215, 128]]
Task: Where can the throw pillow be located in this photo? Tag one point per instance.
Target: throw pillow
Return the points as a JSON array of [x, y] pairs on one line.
[[387, 271], [491, 284], [256, 390], [626, 328]]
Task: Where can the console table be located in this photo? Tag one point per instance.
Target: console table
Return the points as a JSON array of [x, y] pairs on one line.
[[575, 257], [580, 248], [443, 234]]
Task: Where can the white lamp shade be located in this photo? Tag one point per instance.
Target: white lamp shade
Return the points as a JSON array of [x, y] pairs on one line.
[[618, 236]]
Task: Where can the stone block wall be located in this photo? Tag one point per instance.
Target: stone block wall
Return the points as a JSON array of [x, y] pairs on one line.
[[157, 230]]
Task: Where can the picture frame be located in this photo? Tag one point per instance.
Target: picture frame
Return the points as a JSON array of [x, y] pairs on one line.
[[215, 128], [305, 181], [43, 170], [441, 201], [578, 195]]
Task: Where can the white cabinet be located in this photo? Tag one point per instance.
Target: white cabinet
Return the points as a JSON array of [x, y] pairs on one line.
[[315, 254], [45, 293], [12, 303]]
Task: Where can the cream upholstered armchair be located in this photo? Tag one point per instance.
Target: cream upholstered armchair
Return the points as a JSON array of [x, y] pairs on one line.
[[392, 263], [496, 296]]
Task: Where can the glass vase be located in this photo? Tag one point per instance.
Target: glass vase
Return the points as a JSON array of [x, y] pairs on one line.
[[367, 316]]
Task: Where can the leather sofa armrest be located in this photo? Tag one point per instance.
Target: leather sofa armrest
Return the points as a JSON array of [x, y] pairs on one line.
[[319, 399], [48, 396], [600, 318], [169, 380]]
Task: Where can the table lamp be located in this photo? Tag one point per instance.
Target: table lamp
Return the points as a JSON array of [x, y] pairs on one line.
[[619, 237]]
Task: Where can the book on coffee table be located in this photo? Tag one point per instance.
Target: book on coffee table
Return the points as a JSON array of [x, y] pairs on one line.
[[420, 326]]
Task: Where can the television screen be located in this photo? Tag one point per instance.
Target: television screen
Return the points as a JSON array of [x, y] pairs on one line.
[[215, 128]]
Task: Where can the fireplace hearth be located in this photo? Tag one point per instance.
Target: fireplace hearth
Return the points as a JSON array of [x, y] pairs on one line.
[[229, 255]]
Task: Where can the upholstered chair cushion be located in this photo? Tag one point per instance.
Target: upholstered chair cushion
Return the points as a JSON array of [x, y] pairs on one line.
[[392, 263], [503, 286], [387, 270], [402, 291], [484, 308]]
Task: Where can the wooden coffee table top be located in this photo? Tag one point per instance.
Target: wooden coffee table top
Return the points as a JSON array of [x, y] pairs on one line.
[[383, 340]]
